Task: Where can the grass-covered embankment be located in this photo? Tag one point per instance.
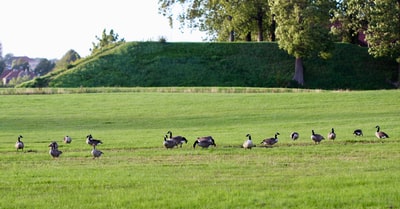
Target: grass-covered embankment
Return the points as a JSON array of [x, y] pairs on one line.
[[152, 64]]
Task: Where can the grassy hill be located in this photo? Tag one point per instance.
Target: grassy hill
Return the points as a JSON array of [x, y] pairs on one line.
[[158, 64]]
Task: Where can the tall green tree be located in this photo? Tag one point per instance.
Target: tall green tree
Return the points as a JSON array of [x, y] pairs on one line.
[[303, 29], [68, 58], [106, 40], [44, 66], [350, 19], [222, 19], [383, 34]]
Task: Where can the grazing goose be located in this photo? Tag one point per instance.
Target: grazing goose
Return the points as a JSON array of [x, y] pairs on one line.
[[204, 142], [54, 152], [380, 134], [358, 132], [91, 141], [96, 153], [332, 135], [317, 138], [270, 141], [178, 139], [294, 136], [248, 144], [67, 140], [169, 143], [19, 144]]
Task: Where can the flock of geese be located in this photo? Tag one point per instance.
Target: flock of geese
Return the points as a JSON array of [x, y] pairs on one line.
[[171, 141], [206, 141], [55, 152]]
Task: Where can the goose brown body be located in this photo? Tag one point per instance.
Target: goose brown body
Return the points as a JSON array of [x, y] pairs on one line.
[[19, 145], [294, 135], [358, 132], [169, 143], [317, 138], [204, 142], [96, 153], [270, 141], [380, 134], [179, 140], [91, 141], [332, 135], [248, 144], [67, 139], [54, 152]]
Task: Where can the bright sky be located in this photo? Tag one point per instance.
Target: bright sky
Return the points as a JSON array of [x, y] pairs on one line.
[[49, 28]]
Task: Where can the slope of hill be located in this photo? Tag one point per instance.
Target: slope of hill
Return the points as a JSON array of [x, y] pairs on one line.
[[219, 64]]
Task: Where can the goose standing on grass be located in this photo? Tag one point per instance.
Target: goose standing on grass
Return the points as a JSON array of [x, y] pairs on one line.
[[19, 144], [91, 141], [169, 143], [204, 142], [67, 139], [358, 132], [178, 139], [294, 136], [380, 134], [317, 138], [54, 152], [332, 135], [270, 141], [248, 144], [96, 153]]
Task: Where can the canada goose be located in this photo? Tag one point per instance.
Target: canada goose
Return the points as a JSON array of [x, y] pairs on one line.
[[19, 144], [178, 139], [358, 132], [317, 138], [91, 141], [170, 143], [270, 141], [248, 144], [96, 153], [54, 152], [67, 140], [380, 134], [204, 142], [332, 135], [294, 136]]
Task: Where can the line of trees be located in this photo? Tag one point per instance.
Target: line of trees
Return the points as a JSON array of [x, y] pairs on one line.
[[303, 28]]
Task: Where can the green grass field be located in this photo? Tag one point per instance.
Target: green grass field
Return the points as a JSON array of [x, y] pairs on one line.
[[136, 171]]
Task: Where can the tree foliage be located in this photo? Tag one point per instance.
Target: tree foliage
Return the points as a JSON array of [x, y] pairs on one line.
[[69, 57], [222, 19], [106, 40], [350, 19], [383, 34], [303, 29], [44, 67]]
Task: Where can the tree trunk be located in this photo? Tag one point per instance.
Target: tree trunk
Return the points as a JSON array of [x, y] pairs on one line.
[[398, 75], [299, 71], [248, 36], [273, 27], [232, 36], [260, 26]]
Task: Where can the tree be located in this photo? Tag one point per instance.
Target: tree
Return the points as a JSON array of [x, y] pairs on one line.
[[303, 29], [20, 64], [69, 57], [383, 33], [350, 19], [106, 40], [222, 19], [44, 66]]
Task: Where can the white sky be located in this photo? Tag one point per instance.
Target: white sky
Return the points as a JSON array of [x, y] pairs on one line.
[[49, 28]]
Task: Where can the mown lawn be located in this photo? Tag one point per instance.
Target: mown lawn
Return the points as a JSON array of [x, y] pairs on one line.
[[136, 171]]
